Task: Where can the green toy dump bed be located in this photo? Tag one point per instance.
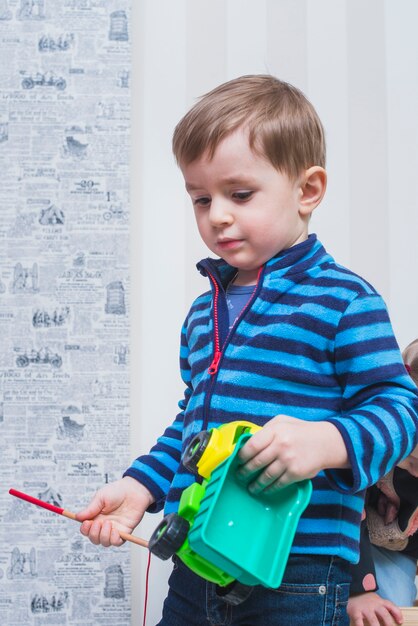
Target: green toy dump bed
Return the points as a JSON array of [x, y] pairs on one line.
[[248, 536]]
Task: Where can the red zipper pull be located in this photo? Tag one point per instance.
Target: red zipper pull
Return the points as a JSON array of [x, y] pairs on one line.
[[213, 368]]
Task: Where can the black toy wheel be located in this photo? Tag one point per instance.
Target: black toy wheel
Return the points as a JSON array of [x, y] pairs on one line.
[[234, 593], [169, 536], [195, 450]]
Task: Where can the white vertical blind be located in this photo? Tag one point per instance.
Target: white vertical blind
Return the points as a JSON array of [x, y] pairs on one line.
[[402, 155], [357, 60]]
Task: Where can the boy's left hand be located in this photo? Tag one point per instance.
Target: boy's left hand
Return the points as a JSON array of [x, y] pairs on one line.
[[289, 450]]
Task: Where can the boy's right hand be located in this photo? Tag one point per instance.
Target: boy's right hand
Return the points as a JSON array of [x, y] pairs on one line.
[[116, 506]]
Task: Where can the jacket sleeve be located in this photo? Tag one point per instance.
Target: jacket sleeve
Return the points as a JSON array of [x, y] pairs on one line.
[[156, 469], [379, 411], [363, 574]]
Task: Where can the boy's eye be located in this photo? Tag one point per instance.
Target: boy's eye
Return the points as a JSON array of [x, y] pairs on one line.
[[203, 201], [242, 195]]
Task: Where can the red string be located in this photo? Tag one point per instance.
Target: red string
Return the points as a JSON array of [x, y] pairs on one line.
[[146, 588]]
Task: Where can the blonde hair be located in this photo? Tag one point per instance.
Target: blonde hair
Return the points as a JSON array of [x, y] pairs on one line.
[[283, 125]]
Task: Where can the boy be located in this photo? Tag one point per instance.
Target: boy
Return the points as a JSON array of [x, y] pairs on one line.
[[307, 352]]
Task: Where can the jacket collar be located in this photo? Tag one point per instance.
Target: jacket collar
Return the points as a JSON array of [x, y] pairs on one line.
[[294, 260]]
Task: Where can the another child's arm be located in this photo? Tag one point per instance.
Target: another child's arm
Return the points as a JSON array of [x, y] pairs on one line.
[[116, 506], [365, 606], [369, 609]]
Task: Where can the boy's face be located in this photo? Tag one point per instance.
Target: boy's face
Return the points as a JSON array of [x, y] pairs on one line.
[[246, 210]]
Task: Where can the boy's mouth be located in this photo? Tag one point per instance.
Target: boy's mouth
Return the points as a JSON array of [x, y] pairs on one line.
[[229, 244]]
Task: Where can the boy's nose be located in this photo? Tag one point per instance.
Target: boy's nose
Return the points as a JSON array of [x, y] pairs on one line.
[[220, 214]]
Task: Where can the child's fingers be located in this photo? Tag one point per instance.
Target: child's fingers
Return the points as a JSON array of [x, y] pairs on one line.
[[85, 527], [101, 533], [372, 619], [395, 612], [387, 615], [281, 482], [269, 480], [91, 529], [108, 535], [256, 444], [115, 538], [257, 463], [92, 510]]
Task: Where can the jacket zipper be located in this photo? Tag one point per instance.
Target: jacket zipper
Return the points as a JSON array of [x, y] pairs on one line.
[[213, 367], [218, 351]]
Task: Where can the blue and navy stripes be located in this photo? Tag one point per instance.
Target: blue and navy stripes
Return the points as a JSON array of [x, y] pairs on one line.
[[315, 343]]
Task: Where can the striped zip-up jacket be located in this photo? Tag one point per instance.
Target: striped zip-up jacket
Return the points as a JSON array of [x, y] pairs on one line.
[[314, 342]]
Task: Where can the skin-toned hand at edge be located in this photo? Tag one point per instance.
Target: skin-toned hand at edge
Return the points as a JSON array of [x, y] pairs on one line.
[[369, 609], [118, 505], [410, 464]]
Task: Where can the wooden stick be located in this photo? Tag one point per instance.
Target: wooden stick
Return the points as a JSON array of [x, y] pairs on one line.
[[55, 509]]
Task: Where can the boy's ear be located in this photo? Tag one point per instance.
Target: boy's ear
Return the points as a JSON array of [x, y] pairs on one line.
[[312, 188]]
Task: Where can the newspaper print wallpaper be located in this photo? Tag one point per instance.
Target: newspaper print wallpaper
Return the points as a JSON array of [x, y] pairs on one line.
[[64, 294]]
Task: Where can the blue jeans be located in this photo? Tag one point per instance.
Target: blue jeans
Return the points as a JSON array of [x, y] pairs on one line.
[[395, 575], [314, 592]]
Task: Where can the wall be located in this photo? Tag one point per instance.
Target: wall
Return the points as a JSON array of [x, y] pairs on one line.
[[64, 302], [357, 60]]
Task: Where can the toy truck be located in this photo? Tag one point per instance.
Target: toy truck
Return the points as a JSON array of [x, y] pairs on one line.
[[221, 531]]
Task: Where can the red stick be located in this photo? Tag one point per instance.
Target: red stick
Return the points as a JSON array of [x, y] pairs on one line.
[[56, 509], [32, 500]]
